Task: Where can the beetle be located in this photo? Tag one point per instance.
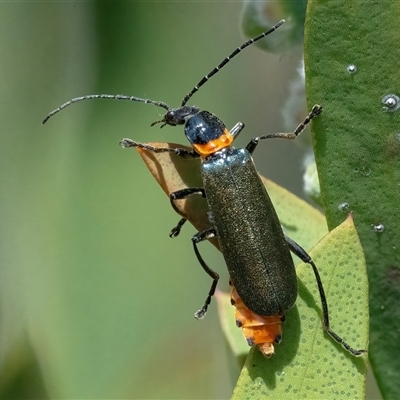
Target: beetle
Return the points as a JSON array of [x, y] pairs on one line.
[[242, 216]]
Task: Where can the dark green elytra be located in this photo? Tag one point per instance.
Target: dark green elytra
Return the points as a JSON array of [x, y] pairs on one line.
[[249, 233]]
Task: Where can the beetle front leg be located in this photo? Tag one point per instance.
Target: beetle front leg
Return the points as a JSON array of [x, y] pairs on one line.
[[316, 110], [128, 143]]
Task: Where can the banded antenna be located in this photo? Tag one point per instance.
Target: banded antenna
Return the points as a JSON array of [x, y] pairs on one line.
[[160, 103], [227, 59]]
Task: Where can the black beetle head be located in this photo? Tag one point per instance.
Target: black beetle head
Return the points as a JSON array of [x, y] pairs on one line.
[[177, 116]]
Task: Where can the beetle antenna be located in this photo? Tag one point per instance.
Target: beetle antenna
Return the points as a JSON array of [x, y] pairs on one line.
[[227, 59], [105, 96]]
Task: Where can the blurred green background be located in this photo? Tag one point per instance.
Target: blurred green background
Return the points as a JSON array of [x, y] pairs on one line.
[[96, 301]]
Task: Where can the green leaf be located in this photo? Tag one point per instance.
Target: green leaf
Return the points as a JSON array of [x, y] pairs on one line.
[[357, 147], [308, 364]]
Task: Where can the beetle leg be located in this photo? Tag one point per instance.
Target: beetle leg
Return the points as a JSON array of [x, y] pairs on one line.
[[125, 143], [303, 255], [199, 237], [180, 195], [316, 110]]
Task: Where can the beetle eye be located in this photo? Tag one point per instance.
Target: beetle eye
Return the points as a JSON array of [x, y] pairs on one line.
[[169, 115], [171, 118]]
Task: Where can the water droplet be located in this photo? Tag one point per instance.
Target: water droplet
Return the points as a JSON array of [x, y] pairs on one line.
[[365, 171], [378, 228], [344, 207], [391, 102], [351, 69]]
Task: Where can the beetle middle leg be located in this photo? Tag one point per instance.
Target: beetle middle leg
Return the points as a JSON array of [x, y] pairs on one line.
[[304, 256], [315, 111], [199, 237], [180, 195]]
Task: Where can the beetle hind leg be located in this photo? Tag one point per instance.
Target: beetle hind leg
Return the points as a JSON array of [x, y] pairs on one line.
[[304, 256], [199, 237]]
